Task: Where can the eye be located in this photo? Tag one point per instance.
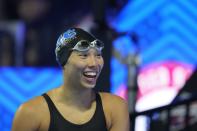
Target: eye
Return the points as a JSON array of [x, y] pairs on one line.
[[83, 55], [99, 54]]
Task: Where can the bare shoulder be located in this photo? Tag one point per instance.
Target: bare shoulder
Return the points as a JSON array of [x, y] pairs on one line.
[[30, 114], [112, 99], [117, 110], [32, 106]]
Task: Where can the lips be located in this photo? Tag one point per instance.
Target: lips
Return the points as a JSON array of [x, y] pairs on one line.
[[90, 74]]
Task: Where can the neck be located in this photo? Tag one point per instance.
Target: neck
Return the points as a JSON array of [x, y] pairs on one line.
[[82, 98]]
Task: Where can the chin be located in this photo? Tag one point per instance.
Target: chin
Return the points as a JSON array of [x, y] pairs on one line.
[[89, 86], [88, 83]]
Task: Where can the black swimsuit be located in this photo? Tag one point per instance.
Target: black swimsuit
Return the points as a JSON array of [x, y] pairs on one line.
[[58, 123]]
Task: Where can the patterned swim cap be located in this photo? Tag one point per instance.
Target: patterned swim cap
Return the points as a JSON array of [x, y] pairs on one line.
[[67, 41]]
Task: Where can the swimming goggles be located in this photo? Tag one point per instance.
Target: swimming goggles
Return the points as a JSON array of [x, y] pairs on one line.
[[84, 45]]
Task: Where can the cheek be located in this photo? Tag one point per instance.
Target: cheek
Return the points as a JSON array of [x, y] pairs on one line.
[[73, 69], [79, 65], [76, 63], [76, 67], [101, 63]]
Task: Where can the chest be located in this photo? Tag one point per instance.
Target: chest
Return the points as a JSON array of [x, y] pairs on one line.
[[72, 115], [76, 115]]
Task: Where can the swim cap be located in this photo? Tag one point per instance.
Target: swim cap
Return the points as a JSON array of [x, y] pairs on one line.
[[67, 41]]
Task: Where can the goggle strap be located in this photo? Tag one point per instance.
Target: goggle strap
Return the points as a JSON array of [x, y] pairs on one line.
[[93, 43]]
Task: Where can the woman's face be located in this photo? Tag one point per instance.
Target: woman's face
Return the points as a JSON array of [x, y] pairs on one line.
[[83, 68]]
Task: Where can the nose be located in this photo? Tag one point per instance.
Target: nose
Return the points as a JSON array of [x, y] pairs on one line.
[[92, 61]]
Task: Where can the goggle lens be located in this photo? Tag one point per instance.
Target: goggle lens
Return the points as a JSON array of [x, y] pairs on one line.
[[85, 45]]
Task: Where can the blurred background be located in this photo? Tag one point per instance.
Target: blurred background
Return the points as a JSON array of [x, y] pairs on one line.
[[150, 55]]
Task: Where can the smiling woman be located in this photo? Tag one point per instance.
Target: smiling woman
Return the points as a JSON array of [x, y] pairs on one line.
[[86, 66], [75, 106]]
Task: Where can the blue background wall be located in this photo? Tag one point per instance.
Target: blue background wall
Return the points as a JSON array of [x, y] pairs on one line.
[[165, 30], [18, 85]]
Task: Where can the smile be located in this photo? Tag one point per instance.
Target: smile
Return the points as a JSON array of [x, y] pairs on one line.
[[90, 74]]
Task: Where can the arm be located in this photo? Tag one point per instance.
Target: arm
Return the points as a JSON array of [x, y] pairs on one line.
[[25, 119], [120, 115]]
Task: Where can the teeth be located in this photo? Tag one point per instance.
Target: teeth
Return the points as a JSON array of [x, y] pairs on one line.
[[90, 73]]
